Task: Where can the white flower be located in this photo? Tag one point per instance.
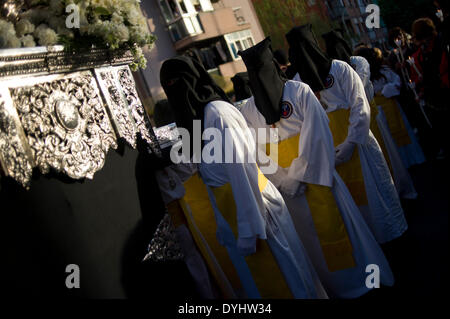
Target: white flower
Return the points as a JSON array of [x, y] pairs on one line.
[[24, 26], [56, 22], [116, 18], [27, 41], [45, 35], [122, 33], [8, 38], [63, 31], [133, 15], [57, 7], [37, 15]]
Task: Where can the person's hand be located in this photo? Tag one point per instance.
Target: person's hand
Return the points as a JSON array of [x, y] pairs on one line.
[[292, 188], [344, 152]]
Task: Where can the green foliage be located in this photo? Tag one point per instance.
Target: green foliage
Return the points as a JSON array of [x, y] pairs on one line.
[[278, 17]]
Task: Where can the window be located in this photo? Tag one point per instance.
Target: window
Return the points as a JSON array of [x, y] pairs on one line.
[[237, 41], [197, 5], [181, 18], [182, 6], [169, 10]]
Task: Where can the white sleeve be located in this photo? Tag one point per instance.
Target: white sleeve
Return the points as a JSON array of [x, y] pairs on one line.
[[243, 177], [250, 113], [316, 159], [279, 173], [353, 89], [393, 86], [170, 185]]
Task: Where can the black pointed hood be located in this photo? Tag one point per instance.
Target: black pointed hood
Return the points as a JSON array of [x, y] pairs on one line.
[[241, 85], [337, 47], [189, 88], [266, 80], [306, 57]]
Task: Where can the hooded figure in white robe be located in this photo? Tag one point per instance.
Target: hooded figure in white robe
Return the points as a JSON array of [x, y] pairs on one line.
[[387, 89], [338, 49], [251, 217], [359, 159], [327, 220]]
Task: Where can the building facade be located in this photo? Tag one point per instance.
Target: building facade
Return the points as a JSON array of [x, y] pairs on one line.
[[351, 16], [211, 31]]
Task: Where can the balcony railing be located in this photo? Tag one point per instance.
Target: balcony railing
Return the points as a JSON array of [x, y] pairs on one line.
[[185, 26], [213, 24]]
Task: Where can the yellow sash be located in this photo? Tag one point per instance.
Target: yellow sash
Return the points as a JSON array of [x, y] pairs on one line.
[[395, 120], [377, 133], [351, 172], [263, 266], [330, 227], [197, 199]]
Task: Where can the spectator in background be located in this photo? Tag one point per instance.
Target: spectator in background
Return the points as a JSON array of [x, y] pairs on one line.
[[403, 48], [430, 74]]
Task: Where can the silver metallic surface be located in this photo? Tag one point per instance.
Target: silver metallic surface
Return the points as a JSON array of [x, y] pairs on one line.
[[10, 9], [64, 111], [164, 246], [54, 59], [136, 108], [167, 135], [119, 110], [15, 156], [65, 121]]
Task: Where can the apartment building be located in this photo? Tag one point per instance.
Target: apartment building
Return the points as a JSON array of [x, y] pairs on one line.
[[351, 16], [211, 31]]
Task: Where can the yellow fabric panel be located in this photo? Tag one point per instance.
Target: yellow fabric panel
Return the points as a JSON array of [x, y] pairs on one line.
[[262, 180], [216, 270], [377, 133], [330, 227], [285, 152], [395, 120], [197, 199], [176, 214], [351, 172], [263, 266]]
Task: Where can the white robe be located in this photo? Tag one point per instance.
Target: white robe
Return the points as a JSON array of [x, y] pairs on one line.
[[262, 215], [384, 214], [402, 179], [315, 165], [362, 67], [389, 87], [171, 186]]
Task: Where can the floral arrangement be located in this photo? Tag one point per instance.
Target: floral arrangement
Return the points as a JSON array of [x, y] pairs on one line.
[[103, 23]]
